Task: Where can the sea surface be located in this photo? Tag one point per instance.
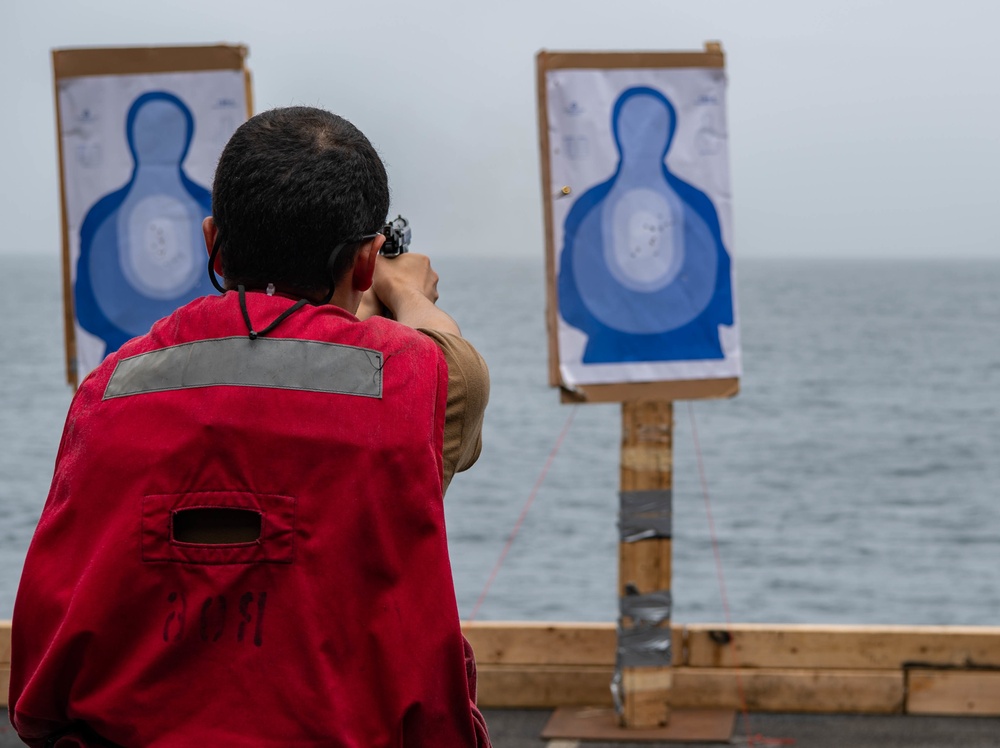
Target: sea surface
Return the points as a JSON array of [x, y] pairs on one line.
[[855, 479]]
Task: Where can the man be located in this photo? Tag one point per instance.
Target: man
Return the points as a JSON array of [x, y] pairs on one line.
[[244, 541]]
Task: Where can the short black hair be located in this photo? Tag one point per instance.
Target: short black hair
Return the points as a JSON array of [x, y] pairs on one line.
[[292, 184]]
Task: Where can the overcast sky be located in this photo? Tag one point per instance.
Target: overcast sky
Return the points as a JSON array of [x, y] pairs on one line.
[[857, 128]]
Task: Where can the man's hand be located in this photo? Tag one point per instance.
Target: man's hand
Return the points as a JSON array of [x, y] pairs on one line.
[[400, 276], [407, 286]]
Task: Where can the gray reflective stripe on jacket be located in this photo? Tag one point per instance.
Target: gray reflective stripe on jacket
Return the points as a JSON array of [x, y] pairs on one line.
[[281, 363]]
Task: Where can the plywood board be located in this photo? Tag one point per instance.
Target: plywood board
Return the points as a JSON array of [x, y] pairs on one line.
[[692, 726], [953, 692]]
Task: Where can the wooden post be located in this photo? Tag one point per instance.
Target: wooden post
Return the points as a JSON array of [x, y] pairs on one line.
[[644, 564]]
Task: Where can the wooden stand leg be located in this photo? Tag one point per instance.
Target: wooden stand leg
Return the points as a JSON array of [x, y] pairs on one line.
[[644, 564]]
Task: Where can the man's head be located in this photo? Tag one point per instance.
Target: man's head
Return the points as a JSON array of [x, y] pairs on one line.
[[290, 186]]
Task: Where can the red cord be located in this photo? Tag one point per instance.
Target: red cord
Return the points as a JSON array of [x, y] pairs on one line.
[[752, 738], [524, 513]]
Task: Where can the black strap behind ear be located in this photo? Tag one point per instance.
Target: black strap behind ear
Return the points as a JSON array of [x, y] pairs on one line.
[[211, 264], [331, 264]]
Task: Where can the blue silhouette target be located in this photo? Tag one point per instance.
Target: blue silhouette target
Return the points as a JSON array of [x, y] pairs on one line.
[[643, 270], [141, 248]]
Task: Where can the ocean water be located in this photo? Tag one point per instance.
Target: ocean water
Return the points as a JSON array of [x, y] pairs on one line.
[[853, 480]]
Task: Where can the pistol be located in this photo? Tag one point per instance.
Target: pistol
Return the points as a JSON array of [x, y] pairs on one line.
[[397, 237]]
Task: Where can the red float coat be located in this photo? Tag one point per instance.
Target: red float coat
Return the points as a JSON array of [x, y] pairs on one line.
[[338, 627]]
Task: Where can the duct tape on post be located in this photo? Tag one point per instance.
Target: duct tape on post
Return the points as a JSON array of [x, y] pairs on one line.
[[644, 641], [645, 514]]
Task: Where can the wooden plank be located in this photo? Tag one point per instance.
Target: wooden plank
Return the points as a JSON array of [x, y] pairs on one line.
[[543, 686], [953, 692], [4, 684], [590, 724], [753, 645], [69, 311], [551, 302], [791, 690], [843, 647], [4, 642], [73, 63], [513, 643], [775, 690], [686, 389], [712, 57]]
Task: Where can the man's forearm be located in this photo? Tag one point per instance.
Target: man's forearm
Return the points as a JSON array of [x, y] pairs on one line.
[[413, 309]]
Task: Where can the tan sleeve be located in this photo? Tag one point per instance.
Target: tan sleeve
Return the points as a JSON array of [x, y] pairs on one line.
[[468, 393]]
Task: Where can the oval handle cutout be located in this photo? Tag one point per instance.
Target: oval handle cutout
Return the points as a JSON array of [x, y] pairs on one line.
[[215, 525]]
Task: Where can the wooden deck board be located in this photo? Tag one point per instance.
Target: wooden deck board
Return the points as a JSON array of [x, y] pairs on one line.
[[953, 692]]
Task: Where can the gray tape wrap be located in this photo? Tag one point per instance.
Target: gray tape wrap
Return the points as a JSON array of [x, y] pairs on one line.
[[616, 691], [644, 642], [644, 646], [652, 608], [645, 514]]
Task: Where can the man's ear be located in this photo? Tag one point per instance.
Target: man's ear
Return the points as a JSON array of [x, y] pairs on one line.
[[211, 232], [364, 264]]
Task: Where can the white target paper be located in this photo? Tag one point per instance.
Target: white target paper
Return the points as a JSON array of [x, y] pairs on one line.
[[643, 241], [139, 154]]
